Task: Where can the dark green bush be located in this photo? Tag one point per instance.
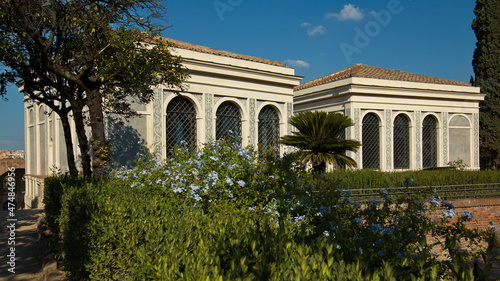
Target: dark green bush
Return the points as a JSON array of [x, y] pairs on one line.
[[54, 188], [356, 179]]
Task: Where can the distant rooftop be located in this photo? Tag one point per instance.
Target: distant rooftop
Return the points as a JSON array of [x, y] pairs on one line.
[[367, 71], [203, 49]]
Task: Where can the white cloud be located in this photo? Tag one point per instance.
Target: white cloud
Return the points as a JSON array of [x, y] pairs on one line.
[[313, 30], [318, 30], [349, 12], [297, 63]]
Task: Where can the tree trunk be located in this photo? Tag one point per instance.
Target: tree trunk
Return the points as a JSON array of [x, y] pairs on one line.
[[82, 137], [98, 140], [69, 143], [319, 169]]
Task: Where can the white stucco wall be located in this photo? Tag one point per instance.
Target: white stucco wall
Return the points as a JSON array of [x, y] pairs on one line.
[[358, 96]]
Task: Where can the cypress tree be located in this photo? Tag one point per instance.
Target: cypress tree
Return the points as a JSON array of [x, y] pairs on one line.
[[486, 64]]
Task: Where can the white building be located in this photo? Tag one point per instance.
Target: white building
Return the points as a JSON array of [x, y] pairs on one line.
[[252, 97], [405, 121]]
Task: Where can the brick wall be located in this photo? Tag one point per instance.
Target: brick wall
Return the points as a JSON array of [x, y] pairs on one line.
[[486, 211]]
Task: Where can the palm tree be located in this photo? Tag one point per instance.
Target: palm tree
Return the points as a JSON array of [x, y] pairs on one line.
[[319, 139]]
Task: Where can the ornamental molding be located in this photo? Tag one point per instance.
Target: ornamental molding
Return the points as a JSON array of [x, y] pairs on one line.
[[388, 138], [157, 122], [418, 142]]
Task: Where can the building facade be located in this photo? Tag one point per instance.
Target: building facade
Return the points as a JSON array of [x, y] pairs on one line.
[[405, 121], [227, 93]]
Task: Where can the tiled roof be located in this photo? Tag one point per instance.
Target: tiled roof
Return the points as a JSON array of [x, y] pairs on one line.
[[367, 71], [203, 49]]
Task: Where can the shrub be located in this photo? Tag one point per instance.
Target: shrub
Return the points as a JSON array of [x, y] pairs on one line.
[[54, 187], [226, 212]]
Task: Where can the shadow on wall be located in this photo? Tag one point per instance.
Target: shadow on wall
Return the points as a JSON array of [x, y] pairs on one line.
[[125, 143]]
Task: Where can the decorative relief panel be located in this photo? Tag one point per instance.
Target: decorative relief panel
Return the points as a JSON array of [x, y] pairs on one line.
[[289, 113], [418, 141], [209, 103], [251, 119], [349, 131], [388, 138], [445, 138], [357, 129], [157, 121], [476, 139]]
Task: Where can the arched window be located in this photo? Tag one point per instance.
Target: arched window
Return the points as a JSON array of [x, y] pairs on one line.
[[181, 122], [401, 145], [371, 141], [228, 122], [269, 127], [429, 142]]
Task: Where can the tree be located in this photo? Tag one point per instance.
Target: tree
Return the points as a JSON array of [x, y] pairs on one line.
[[109, 49], [319, 139], [56, 93], [486, 64]]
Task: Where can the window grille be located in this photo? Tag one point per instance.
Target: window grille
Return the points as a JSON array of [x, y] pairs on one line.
[[228, 123], [429, 142], [269, 127], [401, 143], [371, 141], [181, 122]]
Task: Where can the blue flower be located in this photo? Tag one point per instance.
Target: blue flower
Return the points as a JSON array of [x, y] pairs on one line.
[[358, 221], [196, 197], [241, 183], [177, 189], [449, 206], [297, 219], [334, 228], [229, 181], [388, 231], [375, 228], [467, 215], [212, 177], [409, 181], [449, 213], [435, 201], [194, 187], [383, 191]]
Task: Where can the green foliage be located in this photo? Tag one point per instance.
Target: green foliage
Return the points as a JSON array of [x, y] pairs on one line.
[[366, 179], [486, 59], [318, 138], [99, 54], [230, 213], [52, 197]]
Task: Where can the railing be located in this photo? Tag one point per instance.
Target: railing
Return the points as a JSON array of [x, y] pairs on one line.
[[444, 191]]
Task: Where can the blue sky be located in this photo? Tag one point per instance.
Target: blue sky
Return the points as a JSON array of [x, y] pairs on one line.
[[316, 38]]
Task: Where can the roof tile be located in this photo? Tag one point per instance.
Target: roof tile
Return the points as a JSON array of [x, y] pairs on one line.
[[367, 71], [203, 49]]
